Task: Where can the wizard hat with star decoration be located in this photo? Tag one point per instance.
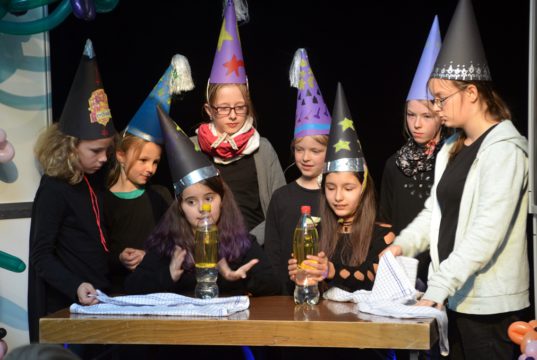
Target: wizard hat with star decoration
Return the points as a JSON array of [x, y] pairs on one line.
[[176, 79], [228, 64], [188, 165], [462, 56], [312, 116], [86, 114], [344, 152], [419, 89]]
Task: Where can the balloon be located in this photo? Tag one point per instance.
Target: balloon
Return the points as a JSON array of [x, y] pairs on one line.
[[103, 6], [31, 27], [11, 263], [83, 9], [517, 330], [531, 349], [529, 337], [7, 152], [522, 357], [3, 349]]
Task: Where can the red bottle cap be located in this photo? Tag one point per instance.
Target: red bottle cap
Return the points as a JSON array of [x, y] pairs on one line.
[[305, 209]]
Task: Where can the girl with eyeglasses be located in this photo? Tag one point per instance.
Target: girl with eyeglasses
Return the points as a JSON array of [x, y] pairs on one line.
[[246, 161], [409, 173], [474, 222]]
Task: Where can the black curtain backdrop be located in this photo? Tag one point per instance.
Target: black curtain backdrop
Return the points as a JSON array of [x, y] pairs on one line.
[[372, 47]]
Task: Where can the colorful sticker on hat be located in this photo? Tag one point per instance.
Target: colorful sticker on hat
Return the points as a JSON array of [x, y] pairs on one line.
[[98, 107]]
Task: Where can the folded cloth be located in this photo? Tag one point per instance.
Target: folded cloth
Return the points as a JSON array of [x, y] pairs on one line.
[[392, 295], [163, 304]]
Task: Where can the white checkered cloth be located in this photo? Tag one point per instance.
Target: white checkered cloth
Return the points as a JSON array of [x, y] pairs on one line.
[[163, 304], [393, 296]]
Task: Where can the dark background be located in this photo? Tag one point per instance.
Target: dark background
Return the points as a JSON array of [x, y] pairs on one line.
[[372, 47]]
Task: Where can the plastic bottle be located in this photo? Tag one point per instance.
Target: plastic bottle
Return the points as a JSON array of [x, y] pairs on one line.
[[305, 242], [206, 255]]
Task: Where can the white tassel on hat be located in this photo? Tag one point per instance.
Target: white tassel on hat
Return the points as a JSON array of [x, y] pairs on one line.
[[181, 77], [241, 10], [294, 71]]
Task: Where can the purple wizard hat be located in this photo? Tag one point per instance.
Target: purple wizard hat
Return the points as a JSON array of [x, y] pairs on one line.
[[228, 64], [419, 89], [312, 116]]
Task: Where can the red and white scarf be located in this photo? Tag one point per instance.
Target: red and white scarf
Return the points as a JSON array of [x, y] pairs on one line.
[[225, 148]]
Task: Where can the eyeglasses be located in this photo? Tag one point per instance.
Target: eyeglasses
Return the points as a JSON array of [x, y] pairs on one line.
[[226, 110], [440, 102]]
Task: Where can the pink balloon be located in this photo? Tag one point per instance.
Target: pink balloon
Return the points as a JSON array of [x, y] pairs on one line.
[[3, 349], [7, 152], [531, 349], [522, 357]]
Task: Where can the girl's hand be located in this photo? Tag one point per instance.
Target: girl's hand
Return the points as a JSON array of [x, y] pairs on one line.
[[429, 303], [394, 249], [234, 275], [176, 264], [317, 267], [292, 267], [86, 294], [131, 258]]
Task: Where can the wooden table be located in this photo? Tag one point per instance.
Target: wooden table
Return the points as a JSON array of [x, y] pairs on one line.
[[270, 321]]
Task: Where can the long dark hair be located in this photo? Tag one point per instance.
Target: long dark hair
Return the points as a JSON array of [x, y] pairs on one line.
[[361, 228], [174, 228]]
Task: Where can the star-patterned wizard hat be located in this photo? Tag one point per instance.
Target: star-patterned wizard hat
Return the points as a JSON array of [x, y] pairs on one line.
[[312, 116], [228, 64], [462, 56], [188, 165], [86, 114], [419, 89], [176, 79], [344, 152]]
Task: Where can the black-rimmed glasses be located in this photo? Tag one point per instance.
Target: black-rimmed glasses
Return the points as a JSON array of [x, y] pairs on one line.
[[226, 110]]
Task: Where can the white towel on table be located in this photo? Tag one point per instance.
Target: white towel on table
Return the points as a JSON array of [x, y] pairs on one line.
[[163, 304], [392, 295]]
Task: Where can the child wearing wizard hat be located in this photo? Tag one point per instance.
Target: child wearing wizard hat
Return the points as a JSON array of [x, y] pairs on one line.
[[474, 222], [246, 161], [133, 206], [68, 247], [169, 262], [350, 240], [409, 173], [312, 125]]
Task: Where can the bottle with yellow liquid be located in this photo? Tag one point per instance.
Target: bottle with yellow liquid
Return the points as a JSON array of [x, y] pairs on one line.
[[206, 255], [305, 242]]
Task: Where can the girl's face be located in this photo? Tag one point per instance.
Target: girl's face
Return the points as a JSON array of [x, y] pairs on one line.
[[229, 110], [449, 102], [422, 123], [343, 191], [139, 170], [92, 154], [192, 199], [309, 156]]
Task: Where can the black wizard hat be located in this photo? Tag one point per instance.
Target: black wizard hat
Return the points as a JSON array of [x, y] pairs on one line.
[[462, 56], [344, 152], [188, 165], [86, 114]]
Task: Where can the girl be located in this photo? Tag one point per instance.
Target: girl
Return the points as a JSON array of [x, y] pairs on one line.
[[474, 222], [169, 263], [68, 249], [132, 209], [409, 173], [309, 148], [350, 241], [246, 161]]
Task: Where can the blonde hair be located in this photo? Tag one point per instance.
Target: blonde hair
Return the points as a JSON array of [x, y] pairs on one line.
[[321, 139], [124, 144], [57, 155]]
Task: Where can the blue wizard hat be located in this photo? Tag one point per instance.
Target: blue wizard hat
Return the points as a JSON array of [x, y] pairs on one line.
[[176, 79]]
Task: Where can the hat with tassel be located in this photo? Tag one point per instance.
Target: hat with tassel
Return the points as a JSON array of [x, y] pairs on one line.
[[175, 80], [228, 64], [462, 56], [344, 152], [188, 165], [312, 116], [86, 114], [419, 89]]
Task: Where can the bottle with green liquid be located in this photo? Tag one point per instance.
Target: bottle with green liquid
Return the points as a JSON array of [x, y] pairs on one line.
[[206, 255]]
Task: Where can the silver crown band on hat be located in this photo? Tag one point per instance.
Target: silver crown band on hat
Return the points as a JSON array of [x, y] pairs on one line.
[[194, 177], [460, 72], [347, 164], [143, 135]]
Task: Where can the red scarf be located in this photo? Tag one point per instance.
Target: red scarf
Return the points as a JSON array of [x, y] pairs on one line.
[[223, 150]]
